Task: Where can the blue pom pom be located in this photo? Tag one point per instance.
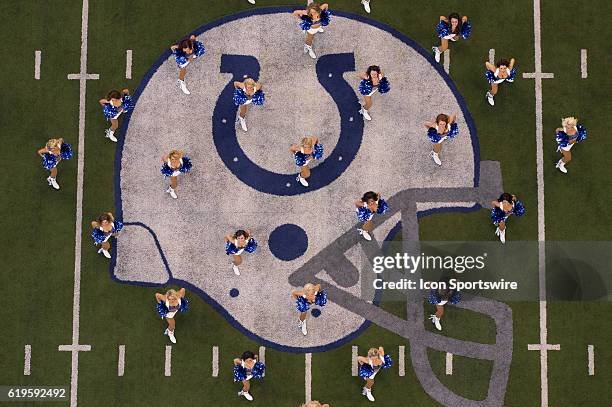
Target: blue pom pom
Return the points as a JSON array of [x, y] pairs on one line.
[[490, 76], [250, 246], [384, 86], [466, 30], [363, 214], [230, 248], [317, 152], [300, 158], [582, 133], [443, 29], [259, 98], [184, 305], [455, 298], [365, 371], [198, 49], [433, 135], [519, 209], [454, 130], [306, 22], [258, 370], [109, 110], [365, 87], [240, 97], [302, 304], [98, 236], [388, 362], [118, 225], [180, 57], [239, 373], [127, 103], [186, 166], [166, 170], [162, 309], [512, 75], [49, 161], [383, 206], [497, 215], [325, 17], [434, 297], [66, 151], [321, 298]]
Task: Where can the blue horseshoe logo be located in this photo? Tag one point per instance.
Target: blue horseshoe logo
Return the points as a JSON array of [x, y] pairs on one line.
[[329, 73]]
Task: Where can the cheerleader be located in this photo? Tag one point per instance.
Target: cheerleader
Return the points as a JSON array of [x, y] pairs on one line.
[[174, 164], [304, 298], [369, 204], [309, 149], [503, 208], [498, 73], [313, 19], [168, 305], [103, 228], [52, 153], [366, 5], [245, 368], [443, 128], [245, 93], [115, 103], [314, 404], [441, 297], [568, 135], [184, 52], [451, 28], [372, 81], [370, 366], [236, 244]]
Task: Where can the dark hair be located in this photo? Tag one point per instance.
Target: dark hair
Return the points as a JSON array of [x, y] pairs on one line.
[[186, 44], [106, 217], [113, 94], [442, 117], [445, 293], [241, 232], [369, 195], [247, 355], [458, 17], [503, 62], [505, 197], [313, 6], [372, 68]]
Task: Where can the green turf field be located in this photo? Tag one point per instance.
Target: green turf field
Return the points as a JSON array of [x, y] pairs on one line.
[[38, 243]]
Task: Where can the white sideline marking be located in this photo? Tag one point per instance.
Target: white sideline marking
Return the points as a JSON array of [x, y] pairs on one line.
[[591, 353], [76, 348], [78, 76], [215, 361], [308, 377], [121, 361], [37, 60], [128, 64], [449, 363], [447, 60], [354, 365], [27, 358], [541, 75], [583, 64], [538, 346], [400, 363], [168, 363], [492, 56]]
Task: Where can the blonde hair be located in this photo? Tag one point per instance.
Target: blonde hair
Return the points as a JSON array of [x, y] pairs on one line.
[[54, 142], [313, 403], [171, 293], [249, 82], [310, 288], [106, 216], [569, 122], [307, 142], [177, 154], [373, 352]]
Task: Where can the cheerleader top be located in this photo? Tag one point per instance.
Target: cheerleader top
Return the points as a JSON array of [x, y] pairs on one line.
[[241, 97], [452, 132], [168, 171], [435, 297], [232, 247], [99, 235], [444, 29], [50, 160], [563, 138], [111, 111], [302, 158], [241, 372], [364, 213], [302, 304], [163, 307], [368, 369], [493, 77], [182, 57], [366, 86], [499, 215], [307, 22]]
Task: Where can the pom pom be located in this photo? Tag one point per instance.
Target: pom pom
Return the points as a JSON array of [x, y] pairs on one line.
[[454, 130], [259, 97], [321, 298], [317, 152], [240, 97], [66, 151], [365, 371], [498, 215], [434, 297], [302, 304], [466, 30], [306, 22], [162, 309], [230, 248], [166, 170], [363, 214], [512, 75], [198, 49], [127, 103], [388, 362], [519, 209], [258, 370], [455, 298], [118, 225], [98, 235], [300, 158], [186, 166], [49, 161], [433, 135], [443, 29], [325, 17], [365, 87], [582, 133], [490, 76], [184, 305], [383, 206], [384, 86], [251, 245], [109, 110], [239, 373], [180, 57]]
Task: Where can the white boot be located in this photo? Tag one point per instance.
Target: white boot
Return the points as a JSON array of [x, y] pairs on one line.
[[490, 99], [183, 87], [365, 113], [561, 166], [436, 321], [303, 327], [110, 134], [302, 181], [236, 269], [242, 121], [368, 393], [501, 234], [308, 49], [105, 253], [246, 394], [366, 5], [365, 234], [53, 183], [252, 2], [437, 53], [171, 192], [435, 157], [170, 335]]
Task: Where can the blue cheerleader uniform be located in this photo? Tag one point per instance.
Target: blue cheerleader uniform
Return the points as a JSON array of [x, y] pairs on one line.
[[169, 311], [113, 112], [241, 98], [444, 30], [302, 304], [183, 59], [367, 88], [50, 160], [563, 139], [185, 167], [499, 215], [435, 298], [100, 236], [493, 77], [232, 248], [436, 137], [302, 159], [307, 23], [241, 372], [364, 213], [369, 370]]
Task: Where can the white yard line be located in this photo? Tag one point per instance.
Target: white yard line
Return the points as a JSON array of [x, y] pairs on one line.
[[308, 377], [121, 361], [400, 362], [492, 56], [354, 364], [591, 354], [27, 359], [447, 61], [262, 354], [37, 61], [583, 64], [128, 64], [215, 361], [168, 362], [449, 363]]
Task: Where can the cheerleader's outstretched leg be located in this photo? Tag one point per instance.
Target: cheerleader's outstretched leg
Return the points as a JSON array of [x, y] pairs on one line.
[[365, 231], [110, 132], [237, 260], [181, 81], [172, 188], [170, 330], [501, 231], [367, 104], [52, 179], [104, 249], [242, 117], [567, 157], [246, 386], [366, 5], [302, 323], [308, 45], [304, 174], [491, 94], [367, 389]]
